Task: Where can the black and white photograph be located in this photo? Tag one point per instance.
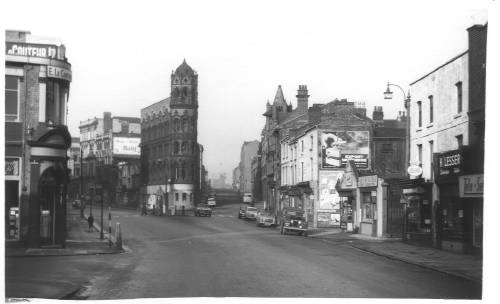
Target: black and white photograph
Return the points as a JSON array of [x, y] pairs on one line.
[[250, 151]]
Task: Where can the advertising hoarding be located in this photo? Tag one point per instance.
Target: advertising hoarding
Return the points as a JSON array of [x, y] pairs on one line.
[[30, 50], [338, 147], [126, 146], [329, 199]]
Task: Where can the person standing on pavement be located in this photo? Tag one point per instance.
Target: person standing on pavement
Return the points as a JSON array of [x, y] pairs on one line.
[[144, 210], [90, 220]]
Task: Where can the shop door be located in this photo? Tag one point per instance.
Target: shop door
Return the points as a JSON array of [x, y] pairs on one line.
[[394, 211]]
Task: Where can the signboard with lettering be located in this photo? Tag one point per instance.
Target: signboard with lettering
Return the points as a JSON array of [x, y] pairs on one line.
[[61, 73], [449, 164], [471, 185], [126, 146], [339, 147], [31, 50], [368, 181], [414, 170]]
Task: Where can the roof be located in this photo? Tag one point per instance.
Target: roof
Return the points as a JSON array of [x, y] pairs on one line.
[[129, 119], [184, 69], [279, 99], [439, 67]]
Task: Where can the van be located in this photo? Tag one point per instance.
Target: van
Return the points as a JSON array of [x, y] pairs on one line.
[[247, 198]]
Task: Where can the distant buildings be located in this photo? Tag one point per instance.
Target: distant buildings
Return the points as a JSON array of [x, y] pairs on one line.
[[37, 85], [242, 175], [171, 157], [220, 182], [110, 163]]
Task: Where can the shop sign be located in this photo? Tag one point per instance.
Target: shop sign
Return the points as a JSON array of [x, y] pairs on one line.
[[368, 181], [414, 170], [31, 50], [61, 73], [127, 146], [12, 167], [471, 185], [449, 163]]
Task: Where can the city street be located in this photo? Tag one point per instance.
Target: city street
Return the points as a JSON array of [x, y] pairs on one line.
[[223, 256]]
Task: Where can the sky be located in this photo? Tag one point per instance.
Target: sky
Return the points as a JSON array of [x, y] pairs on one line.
[[123, 52]]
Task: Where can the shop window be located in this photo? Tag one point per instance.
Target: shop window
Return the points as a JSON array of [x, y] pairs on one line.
[[418, 215], [11, 98], [368, 206]]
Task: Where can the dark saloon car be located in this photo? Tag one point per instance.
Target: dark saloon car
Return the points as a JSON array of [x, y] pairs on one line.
[[293, 219], [241, 212], [202, 210]]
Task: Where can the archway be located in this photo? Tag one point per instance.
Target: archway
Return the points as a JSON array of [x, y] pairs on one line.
[[52, 202]]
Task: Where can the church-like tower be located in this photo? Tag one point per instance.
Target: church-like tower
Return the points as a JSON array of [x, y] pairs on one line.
[[184, 160]]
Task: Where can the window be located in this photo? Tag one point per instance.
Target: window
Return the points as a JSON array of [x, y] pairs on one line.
[[302, 171], [387, 148], [459, 96], [176, 196], [419, 104], [55, 109], [176, 148], [419, 147], [177, 125], [302, 145], [185, 124], [431, 152], [312, 143], [11, 98], [369, 206], [184, 197], [431, 109], [460, 141]]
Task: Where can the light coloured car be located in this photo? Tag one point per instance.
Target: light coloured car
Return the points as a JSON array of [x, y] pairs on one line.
[[265, 219], [251, 213], [211, 202]]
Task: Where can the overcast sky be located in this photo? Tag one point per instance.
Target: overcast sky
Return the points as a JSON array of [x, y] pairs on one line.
[[122, 54]]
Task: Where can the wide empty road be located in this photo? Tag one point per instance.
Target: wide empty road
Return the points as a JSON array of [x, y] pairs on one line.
[[223, 256]]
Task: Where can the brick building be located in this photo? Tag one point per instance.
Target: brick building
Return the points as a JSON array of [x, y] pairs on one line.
[[249, 149], [171, 157], [37, 83], [445, 203]]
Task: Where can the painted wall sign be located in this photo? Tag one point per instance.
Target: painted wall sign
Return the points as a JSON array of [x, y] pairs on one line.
[[414, 170], [337, 148], [31, 50], [61, 73], [368, 181], [471, 185], [126, 146]]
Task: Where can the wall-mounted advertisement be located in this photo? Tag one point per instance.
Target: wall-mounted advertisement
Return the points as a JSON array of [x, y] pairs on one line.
[[126, 146], [338, 147], [329, 199]]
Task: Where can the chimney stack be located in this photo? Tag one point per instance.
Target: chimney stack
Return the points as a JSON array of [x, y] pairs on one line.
[[302, 98], [378, 113]]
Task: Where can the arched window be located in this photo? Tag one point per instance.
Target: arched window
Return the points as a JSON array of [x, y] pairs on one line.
[[183, 170], [177, 125], [184, 92], [184, 147], [176, 148], [175, 93], [185, 124]]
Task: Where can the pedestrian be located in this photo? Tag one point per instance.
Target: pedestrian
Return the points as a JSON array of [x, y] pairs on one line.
[[90, 220], [144, 210]]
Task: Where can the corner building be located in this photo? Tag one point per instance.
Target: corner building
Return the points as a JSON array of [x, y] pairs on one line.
[[170, 153], [37, 81]]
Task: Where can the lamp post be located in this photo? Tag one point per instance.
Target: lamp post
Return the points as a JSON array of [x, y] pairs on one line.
[[388, 95]]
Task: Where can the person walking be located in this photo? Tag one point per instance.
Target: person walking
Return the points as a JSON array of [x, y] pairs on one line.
[[90, 221], [144, 210]]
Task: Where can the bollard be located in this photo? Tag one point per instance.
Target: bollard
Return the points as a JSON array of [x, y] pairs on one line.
[[118, 237]]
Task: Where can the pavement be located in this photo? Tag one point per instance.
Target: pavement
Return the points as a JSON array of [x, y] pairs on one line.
[[465, 266], [80, 241]]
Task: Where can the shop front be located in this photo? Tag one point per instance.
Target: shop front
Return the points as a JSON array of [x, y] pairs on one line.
[[460, 209], [417, 211], [368, 211], [347, 189]]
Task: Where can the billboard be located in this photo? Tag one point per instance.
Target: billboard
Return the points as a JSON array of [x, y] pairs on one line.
[[127, 146], [338, 147], [329, 198]]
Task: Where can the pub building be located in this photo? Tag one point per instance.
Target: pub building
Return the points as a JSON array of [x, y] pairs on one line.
[[37, 81]]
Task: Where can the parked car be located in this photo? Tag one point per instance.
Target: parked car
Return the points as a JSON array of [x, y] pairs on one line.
[[241, 212], [76, 204], [265, 219], [251, 213], [202, 210], [293, 219], [247, 198], [211, 202]]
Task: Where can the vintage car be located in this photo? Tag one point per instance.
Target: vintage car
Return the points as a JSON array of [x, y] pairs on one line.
[[241, 212], [76, 203], [265, 219], [247, 198], [250, 213], [293, 219], [211, 202], [202, 210]]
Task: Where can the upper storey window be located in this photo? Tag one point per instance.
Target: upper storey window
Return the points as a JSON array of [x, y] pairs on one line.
[[11, 98], [57, 97]]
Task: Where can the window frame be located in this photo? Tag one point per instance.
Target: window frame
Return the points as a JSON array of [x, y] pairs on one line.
[[18, 91]]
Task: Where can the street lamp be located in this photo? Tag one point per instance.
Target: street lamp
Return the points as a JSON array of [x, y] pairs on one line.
[[388, 95]]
